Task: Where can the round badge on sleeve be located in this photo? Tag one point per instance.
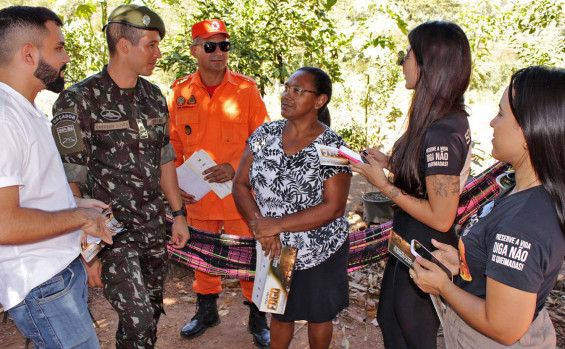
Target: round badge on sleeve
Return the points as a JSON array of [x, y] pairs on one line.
[[180, 101], [187, 130]]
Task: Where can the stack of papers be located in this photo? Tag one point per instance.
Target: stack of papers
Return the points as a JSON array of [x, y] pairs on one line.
[[191, 179]]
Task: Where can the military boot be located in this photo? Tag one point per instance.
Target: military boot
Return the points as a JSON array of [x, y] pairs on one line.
[[257, 326], [206, 316]]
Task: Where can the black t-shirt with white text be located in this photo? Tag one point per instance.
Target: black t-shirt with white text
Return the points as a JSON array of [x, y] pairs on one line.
[[446, 150], [516, 240]]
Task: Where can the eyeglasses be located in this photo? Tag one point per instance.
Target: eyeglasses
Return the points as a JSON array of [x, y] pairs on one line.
[[210, 46], [294, 91], [402, 56]]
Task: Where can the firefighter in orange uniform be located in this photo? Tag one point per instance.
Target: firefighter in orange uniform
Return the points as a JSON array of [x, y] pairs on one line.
[[216, 110]]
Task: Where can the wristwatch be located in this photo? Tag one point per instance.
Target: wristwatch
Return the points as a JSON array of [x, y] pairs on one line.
[[181, 212]]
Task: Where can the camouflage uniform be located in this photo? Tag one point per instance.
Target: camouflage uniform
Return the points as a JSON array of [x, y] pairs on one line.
[[113, 142]]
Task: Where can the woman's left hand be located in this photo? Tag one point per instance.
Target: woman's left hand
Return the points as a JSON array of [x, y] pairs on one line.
[[429, 277], [272, 246], [263, 227], [373, 172]]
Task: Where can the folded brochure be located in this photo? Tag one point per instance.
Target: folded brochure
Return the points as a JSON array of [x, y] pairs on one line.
[[272, 279], [191, 179], [400, 248], [329, 156]]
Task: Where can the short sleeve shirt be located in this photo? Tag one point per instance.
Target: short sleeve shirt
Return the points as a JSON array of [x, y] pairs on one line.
[[30, 162], [516, 240], [447, 148], [286, 184], [113, 141]]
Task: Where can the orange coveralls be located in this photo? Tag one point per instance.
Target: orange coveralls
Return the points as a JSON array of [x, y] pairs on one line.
[[220, 124]]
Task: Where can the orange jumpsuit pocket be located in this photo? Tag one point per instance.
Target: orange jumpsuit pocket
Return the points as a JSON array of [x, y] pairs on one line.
[[235, 128], [188, 126]]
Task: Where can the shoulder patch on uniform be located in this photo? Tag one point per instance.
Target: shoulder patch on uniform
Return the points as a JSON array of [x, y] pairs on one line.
[[181, 80], [246, 78], [66, 132], [65, 116]]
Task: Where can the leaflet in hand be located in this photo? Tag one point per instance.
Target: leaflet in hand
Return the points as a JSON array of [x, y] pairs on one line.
[[272, 279], [91, 245], [342, 156], [329, 156], [191, 179], [400, 248]]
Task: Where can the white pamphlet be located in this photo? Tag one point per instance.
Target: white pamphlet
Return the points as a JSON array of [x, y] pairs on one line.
[[194, 184], [191, 183], [329, 156], [272, 279]]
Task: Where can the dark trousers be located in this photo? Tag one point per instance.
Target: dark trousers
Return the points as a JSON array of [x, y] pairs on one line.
[[406, 315]]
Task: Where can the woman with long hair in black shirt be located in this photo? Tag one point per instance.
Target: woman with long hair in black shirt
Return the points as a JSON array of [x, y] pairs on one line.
[[429, 164], [511, 252]]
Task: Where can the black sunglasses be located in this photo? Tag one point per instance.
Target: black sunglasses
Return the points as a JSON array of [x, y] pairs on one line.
[[403, 56], [210, 46]]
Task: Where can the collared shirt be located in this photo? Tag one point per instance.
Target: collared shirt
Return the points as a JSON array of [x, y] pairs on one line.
[[30, 161], [113, 141], [219, 124]]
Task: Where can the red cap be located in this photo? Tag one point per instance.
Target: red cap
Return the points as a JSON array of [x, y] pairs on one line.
[[206, 29]]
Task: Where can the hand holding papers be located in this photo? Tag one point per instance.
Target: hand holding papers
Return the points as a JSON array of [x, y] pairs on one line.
[[272, 279], [91, 245], [400, 248], [191, 183], [191, 179], [342, 156]]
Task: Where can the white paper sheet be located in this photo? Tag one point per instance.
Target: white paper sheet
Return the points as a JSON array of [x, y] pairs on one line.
[[191, 183]]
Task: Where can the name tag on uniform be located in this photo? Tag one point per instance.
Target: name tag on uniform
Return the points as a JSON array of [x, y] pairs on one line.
[[143, 134], [156, 121], [107, 126]]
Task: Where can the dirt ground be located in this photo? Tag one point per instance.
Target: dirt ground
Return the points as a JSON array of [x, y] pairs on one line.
[[355, 327]]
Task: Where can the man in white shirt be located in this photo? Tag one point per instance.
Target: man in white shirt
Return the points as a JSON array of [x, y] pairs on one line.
[[43, 283]]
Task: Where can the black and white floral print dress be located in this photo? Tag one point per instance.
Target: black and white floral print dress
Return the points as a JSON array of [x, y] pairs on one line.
[[286, 184]]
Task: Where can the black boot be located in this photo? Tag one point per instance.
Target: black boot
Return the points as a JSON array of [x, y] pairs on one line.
[[257, 326], [206, 316]]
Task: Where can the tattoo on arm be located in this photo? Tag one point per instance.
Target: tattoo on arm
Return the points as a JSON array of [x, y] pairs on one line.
[[394, 193], [443, 186], [455, 186]]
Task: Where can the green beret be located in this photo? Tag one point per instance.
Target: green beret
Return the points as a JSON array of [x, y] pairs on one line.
[[137, 16]]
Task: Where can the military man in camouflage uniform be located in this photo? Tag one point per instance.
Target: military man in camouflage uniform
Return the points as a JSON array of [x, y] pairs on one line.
[[111, 131]]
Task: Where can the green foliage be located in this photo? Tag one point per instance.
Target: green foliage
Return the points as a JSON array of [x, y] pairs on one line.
[[505, 39], [526, 27], [355, 41], [370, 55], [270, 38], [84, 40], [356, 138]]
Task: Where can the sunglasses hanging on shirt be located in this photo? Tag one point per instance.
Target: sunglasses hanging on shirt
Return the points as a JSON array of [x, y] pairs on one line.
[[210, 46]]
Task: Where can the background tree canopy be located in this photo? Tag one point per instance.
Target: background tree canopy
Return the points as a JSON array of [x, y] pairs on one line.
[[355, 41]]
